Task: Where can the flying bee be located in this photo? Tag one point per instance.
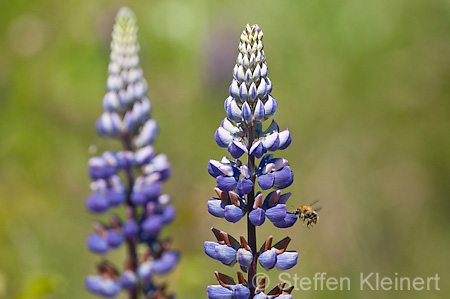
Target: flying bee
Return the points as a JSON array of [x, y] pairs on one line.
[[308, 214]]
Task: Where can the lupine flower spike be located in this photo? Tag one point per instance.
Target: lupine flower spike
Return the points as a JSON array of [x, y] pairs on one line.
[[240, 183], [131, 178]]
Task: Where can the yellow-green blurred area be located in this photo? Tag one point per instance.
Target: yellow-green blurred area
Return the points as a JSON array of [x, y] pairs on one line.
[[363, 86]]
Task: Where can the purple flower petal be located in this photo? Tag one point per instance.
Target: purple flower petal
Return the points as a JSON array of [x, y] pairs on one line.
[[288, 221], [237, 149], [97, 203], [114, 238], [130, 229], [166, 262], [276, 213], [241, 292], [219, 292], [216, 207], [233, 214], [168, 214], [97, 243], [213, 168], [257, 149], [152, 225], [257, 216], [223, 137], [244, 257], [152, 191], [128, 279], [225, 254], [285, 139], [244, 186], [266, 181], [246, 112], [283, 178], [145, 270], [234, 113], [226, 183], [268, 259], [210, 249], [286, 260]]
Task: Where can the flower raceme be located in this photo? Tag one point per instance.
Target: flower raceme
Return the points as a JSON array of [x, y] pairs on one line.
[[131, 178], [243, 134]]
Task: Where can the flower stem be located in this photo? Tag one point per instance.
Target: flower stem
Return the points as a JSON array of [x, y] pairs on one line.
[[131, 243], [251, 229]]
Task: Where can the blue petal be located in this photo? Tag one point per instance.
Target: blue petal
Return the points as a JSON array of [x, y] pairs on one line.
[[283, 178], [244, 186], [145, 270], [246, 112], [225, 254], [114, 238], [237, 149], [244, 257], [259, 111], [271, 142], [93, 284], [138, 198], [276, 213], [284, 198], [288, 221], [144, 155], [233, 214], [257, 216], [285, 139], [97, 243], [252, 92], [241, 292], [219, 292], [286, 260], [234, 113], [257, 149], [234, 89], [153, 191], [223, 137], [166, 262], [97, 203], [130, 229], [270, 107], [152, 225], [115, 198], [168, 214], [226, 183], [213, 168], [216, 207], [266, 181], [128, 280], [243, 92], [210, 249], [268, 259]]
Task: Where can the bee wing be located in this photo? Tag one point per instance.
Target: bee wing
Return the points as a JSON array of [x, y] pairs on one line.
[[314, 202], [318, 209]]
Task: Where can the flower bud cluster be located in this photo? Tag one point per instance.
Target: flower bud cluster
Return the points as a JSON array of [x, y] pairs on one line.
[[131, 178], [242, 132]]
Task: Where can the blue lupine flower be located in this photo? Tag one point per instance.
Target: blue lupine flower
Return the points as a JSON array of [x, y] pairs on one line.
[[227, 288], [126, 117], [276, 255], [274, 173], [249, 104], [229, 205], [106, 283]]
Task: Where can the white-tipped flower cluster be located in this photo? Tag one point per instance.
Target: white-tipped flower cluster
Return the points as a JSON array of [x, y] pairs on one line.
[[250, 99], [127, 109]]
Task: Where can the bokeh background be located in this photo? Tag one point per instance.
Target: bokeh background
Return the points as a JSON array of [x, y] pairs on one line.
[[363, 87]]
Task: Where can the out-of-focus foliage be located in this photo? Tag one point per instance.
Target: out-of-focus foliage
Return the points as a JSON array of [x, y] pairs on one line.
[[365, 92]]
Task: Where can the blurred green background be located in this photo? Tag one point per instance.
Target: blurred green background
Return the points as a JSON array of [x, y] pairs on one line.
[[363, 86]]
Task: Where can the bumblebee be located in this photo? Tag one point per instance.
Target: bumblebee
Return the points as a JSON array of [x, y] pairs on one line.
[[308, 214]]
